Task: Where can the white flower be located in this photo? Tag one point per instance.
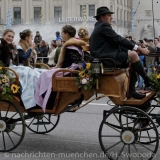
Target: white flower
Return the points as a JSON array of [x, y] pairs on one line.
[[84, 81], [7, 84]]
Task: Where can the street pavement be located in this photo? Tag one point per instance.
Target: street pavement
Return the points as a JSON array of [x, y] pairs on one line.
[[75, 137]]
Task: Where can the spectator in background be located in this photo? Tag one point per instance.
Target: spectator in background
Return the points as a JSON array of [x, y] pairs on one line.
[[150, 42], [157, 44], [51, 55], [59, 46], [43, 51], [130, 39], [58, 37], [37, 39]]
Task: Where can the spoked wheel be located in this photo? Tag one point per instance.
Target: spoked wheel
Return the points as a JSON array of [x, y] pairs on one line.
[[42, 123], [120, 137], [148, 130], [12, 126]]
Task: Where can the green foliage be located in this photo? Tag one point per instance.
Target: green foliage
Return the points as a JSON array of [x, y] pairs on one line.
[[7, 86], [85, 77]]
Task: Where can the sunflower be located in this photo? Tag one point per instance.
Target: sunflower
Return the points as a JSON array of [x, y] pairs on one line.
[[4, 80], [81, 74], [158, 76], [14, 88], [88, 65]]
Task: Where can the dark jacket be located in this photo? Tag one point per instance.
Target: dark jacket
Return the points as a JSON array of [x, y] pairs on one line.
[[58, 50], [43, 51], [5, 52], [69, 57], [37, 39], [106, 43]]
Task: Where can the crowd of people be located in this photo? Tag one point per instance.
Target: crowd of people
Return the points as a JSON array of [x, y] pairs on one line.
[[104, 42]]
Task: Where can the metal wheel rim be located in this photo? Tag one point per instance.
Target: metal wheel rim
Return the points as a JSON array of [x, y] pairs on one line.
[[22, 123], [45, 131], [125, 108]]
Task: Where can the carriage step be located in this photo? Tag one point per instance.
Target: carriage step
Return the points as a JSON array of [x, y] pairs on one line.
[[41, 123]]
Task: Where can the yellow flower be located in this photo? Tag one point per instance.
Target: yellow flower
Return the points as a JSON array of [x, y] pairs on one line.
[[158, 76], [154, 69], [81, 74], [4, 80], [0, 67], [88, 65], [14, 88]]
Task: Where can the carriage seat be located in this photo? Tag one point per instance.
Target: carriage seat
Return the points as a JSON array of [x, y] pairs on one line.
[[110, 69]]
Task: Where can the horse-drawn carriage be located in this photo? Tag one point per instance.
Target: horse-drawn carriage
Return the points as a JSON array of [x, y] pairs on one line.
[[120, 125]]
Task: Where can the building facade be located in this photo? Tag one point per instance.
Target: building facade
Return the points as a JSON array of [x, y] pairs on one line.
[[145, 12], [50, 15]]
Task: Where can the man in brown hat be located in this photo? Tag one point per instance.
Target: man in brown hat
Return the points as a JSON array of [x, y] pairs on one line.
[[106, 43]]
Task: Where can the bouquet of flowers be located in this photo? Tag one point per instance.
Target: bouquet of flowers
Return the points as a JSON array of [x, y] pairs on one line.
[[155, 77], [85, 77], [7, 86]]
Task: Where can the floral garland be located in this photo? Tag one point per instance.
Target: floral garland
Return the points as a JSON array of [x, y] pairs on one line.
[[155, 77], [85, 77], [7, 86]]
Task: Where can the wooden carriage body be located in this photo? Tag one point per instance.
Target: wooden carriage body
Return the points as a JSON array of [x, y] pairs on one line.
[[112, 84]]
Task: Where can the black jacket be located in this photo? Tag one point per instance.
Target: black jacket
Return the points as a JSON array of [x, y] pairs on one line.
[[106, 43], [43, 51], [5, 52]]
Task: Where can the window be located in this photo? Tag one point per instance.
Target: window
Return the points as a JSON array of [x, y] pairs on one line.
[[124, 17], [0, 17], [117, 14], [91, 10], [37, 14], [121, 14], [127, 16], [82, 9], [17, 15], [148, 13], [111, 8], [57, 12]]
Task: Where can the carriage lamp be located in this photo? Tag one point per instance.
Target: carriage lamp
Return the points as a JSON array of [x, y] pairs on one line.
[[97, 69]]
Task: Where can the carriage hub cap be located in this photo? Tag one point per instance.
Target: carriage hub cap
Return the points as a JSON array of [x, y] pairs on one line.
[[128, 137], [2, 125]]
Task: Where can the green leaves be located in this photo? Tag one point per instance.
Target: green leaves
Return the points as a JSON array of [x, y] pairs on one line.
[[7, 86]]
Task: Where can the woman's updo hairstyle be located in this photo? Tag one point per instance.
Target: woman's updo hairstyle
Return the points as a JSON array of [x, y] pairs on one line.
[[25, 33], [70, 30], [83, 32]]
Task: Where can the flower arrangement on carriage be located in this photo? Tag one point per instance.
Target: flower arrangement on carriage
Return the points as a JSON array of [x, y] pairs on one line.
[[85, 77], [155, 77], [7, 84]]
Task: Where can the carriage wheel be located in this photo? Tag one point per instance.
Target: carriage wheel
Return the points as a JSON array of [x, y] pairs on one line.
[[42, 123], [133, 117], [12, 126], [120, 138]]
